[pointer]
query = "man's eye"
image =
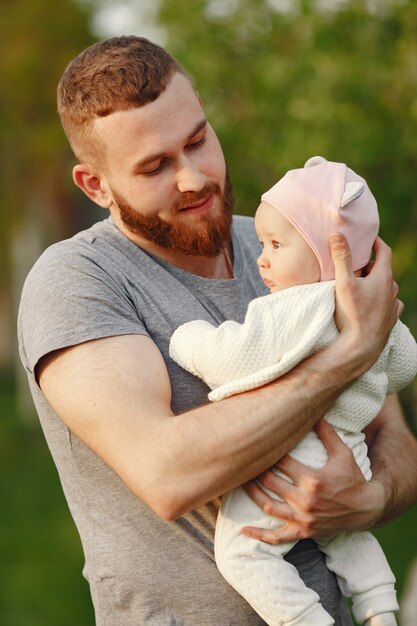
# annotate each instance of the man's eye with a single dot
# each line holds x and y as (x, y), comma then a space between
(197, 144)
(156, 170)
(276, 245)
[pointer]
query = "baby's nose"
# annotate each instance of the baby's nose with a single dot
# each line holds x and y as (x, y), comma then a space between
(262, 260)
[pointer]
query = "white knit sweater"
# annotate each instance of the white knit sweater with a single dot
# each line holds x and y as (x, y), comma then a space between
(278, 332)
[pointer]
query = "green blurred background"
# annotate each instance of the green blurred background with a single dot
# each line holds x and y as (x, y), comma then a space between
(281, 80)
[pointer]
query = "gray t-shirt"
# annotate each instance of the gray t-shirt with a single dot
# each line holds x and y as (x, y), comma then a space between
(141, 569)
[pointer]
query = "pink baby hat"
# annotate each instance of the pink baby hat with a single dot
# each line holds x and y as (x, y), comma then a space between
(326, 197)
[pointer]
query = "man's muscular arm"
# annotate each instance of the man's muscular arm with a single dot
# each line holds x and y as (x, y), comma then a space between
(393, 455)
(114, 394)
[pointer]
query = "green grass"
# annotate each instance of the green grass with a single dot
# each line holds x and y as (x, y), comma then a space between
(41, 557)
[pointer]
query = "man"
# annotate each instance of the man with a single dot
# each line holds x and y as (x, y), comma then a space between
(141, 455)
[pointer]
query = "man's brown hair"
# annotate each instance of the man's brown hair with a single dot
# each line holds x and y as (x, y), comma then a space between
(112, 75)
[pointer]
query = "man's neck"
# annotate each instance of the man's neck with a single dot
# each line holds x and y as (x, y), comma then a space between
(219, 267)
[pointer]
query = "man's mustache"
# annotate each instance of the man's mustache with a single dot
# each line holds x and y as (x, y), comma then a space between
(189, 198)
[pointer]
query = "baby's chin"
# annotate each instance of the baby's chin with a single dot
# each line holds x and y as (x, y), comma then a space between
(275, 288)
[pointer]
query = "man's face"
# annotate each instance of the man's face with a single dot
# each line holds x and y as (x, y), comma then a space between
(166, 173)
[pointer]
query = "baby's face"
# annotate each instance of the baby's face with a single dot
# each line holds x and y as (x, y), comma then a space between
(286, 259)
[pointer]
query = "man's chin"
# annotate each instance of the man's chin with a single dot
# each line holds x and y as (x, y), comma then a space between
(200, 233)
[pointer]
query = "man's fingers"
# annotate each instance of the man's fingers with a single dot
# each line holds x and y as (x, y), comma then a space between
(341, 256)
(368, 269)
(382, 249)
(271, 506)
(295, 470)
(280, 485)
(398, 303)
(329, 437)
(383, 265)
(285, 534)
(383, 257)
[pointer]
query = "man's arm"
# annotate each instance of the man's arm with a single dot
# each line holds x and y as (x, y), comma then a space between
(114, 394)
(393, 455)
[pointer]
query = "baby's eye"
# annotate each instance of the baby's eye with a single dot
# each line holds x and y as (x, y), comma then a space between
(276, 245)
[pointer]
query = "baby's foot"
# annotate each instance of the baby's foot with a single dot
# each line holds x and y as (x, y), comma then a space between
(385, 619)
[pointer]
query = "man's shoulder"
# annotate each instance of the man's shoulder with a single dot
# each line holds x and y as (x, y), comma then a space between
(80, 249)
(100, 231)
(75, 264)
(243, 223)
(244, 229)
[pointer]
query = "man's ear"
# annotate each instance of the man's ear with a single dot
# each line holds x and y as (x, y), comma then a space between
(92, 184)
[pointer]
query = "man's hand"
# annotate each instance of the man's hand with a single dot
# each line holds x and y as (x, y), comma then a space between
(318, 503)
(366, 308)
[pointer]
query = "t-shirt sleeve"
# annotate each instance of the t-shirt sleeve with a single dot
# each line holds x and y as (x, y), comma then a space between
(69, 298)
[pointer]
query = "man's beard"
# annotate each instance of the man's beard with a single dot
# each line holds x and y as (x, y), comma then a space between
(202, 236)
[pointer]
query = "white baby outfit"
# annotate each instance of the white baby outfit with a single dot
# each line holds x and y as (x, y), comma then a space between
(279, 331)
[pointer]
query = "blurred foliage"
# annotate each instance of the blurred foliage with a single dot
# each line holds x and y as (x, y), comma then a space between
(38, 39)
(40, 577)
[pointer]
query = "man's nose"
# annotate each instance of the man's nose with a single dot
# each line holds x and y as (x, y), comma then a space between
(189, 176)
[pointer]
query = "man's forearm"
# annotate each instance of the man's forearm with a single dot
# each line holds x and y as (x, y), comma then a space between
(393, 454)
(242, 436)
(119, 406)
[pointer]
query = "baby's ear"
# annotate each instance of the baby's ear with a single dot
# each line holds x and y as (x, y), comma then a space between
(352, 191)
(315, 160)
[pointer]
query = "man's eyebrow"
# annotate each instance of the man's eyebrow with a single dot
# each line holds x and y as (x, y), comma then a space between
(161, 155)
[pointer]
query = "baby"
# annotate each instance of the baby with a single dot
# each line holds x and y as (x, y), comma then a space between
(293, 223)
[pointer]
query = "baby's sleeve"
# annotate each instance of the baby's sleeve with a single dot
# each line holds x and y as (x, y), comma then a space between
(230, 351)
(402, 358)
(279, 331)
(187, 346)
